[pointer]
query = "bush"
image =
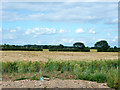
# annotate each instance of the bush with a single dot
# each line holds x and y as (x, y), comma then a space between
(100, 77)
(71, 49)
(112, 79)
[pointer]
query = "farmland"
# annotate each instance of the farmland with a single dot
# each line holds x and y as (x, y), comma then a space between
(43, 56)
(100, 67)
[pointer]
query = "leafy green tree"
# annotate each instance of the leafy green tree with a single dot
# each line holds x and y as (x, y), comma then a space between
(61, 46)
(102, 44)
(115, 47)
(79, 45)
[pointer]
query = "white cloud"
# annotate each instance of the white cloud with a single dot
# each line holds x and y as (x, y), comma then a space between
(114, 21)
(38, 31)
(80, 30)
(94, 38)
(0, 29)
(18, 28)
(8, 36)
(100, 39)
(74, 12)
(82, 41)
(65, 40)
(71, 40)
(92, 31)
(115, 39)
(35, 36)
(61, 31)
(64, 31)
(13, 30)
(39, 42)
(28, 31)
(108, 34)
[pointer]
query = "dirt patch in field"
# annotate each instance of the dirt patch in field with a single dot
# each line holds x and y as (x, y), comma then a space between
(55, 83)
(43, 56)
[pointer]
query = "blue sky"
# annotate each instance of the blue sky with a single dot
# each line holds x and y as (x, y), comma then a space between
(54, 23)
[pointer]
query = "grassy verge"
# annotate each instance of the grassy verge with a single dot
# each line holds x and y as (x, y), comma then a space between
(99, 71)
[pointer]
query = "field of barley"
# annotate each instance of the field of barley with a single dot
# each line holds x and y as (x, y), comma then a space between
(100, 67)
(43, 56)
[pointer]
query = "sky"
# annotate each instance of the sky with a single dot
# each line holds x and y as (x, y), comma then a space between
(54, 23)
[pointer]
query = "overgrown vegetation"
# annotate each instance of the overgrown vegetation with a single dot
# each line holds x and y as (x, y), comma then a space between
(101, 46)
(100, 71)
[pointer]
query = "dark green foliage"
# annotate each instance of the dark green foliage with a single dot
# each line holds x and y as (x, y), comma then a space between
(102, 46)
(41, 47)
(100, 71)
(21, 48)
(79, 45)
(71, 50)
(22, 78)
(112, 50)
(46, 76)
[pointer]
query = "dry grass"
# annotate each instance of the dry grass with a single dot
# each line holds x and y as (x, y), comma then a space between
(42, 56)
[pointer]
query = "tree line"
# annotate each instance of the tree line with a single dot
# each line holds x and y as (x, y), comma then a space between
(101, 46)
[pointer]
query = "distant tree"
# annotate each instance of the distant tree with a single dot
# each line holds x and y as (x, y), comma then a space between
(45, 47)
(115, 47)
(79, 45)
(102, 44)
(61, 46)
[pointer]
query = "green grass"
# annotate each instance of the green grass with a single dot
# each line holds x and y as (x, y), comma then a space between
(35, 78)
(99, 71)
